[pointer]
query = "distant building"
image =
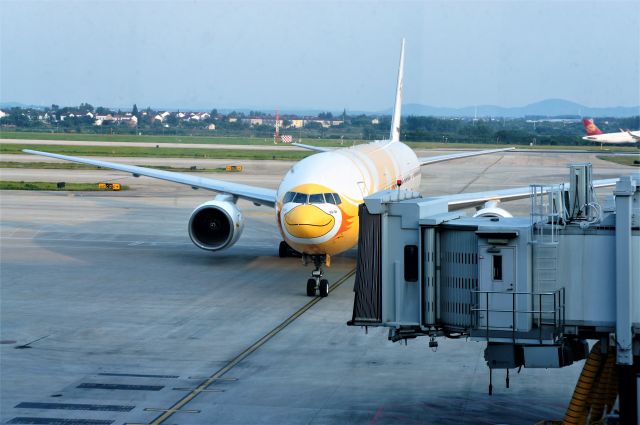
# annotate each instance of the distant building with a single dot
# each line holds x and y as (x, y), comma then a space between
(297, 123)
(211, 127)
(375, 121)
(133, 121)
(253, 121)
(3, 114)
(194, 116)
(323, 123)
(272, 122)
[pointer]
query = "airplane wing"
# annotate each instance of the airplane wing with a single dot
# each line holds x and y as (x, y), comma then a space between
(312, 148)
(441, 158)
(466, 200)
(254, 194)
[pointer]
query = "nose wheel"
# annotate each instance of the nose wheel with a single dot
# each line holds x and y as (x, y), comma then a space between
(316, 282)
(320, 285)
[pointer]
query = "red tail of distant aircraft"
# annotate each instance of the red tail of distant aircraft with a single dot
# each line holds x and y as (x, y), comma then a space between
(590, 127)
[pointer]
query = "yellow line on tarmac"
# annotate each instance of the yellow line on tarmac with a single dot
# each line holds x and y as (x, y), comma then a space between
(240, 357)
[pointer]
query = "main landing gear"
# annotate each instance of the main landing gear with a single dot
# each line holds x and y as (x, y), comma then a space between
(316, 282)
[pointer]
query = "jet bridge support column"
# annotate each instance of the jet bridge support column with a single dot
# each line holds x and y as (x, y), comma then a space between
(627, 371)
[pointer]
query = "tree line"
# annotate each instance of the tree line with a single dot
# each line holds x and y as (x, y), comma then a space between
(486, 130)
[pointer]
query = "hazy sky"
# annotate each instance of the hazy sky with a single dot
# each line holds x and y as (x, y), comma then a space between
(318, 54)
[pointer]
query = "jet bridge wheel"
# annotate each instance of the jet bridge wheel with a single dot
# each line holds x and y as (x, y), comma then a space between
(311, 288)
(324, 287)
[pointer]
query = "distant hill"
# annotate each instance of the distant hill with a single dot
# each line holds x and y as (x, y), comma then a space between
(9, 105)
(546, 108)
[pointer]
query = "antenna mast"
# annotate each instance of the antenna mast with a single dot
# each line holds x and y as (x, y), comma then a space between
(276, 135)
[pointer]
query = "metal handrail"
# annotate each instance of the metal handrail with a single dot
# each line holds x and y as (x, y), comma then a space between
(558, 311)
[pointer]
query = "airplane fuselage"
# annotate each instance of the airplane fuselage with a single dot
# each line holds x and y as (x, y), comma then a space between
(619, 137)
(317, 200)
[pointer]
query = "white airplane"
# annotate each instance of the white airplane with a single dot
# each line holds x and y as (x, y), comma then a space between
(316, 204)
(594, 134)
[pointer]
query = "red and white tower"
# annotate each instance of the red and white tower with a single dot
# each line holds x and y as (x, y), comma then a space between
(276, 135)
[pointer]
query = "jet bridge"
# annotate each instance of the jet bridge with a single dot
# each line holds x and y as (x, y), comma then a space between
(534, 289)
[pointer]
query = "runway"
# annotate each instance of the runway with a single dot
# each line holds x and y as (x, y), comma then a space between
(127, 318)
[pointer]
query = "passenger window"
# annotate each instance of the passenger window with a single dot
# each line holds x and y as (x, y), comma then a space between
(316, 198)
(337, 198)
(301, 198)
(497, 267)
(288, 197)
(329, 198)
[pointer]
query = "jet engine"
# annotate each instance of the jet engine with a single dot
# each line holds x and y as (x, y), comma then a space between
(216, 224)
(492, 209)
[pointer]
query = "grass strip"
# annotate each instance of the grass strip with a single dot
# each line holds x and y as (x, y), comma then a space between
(89, 137)
(632, 161)
(231, 140)
(123, 138)
(22, 185)
(126, 151)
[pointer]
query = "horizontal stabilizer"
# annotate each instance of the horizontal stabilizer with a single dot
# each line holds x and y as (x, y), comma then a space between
(442, 158)
(312, 148)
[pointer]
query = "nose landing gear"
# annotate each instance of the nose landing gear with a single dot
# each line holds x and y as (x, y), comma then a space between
(316, 282)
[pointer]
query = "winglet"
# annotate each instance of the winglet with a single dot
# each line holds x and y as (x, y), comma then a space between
(395, 121)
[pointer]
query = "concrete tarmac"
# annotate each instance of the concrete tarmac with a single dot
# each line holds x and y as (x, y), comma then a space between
(123, 317)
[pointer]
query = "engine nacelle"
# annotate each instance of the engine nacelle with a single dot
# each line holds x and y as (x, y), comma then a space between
(216, 224)
(492, 209)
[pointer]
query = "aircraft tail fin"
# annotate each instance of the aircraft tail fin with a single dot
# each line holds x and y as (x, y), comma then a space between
(590, 127)
(395, 120)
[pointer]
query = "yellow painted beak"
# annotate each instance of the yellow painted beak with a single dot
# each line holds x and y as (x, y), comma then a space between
(308, 221)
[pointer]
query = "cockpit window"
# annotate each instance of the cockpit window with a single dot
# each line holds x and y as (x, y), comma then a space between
(288, 197)
(332, 198)
(329, 198)
(316, 198)
(300, 198)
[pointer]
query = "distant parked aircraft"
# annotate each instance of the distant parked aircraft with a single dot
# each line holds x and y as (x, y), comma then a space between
(594, 134)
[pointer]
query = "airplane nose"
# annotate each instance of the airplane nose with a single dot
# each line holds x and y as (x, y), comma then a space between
(308, 221)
